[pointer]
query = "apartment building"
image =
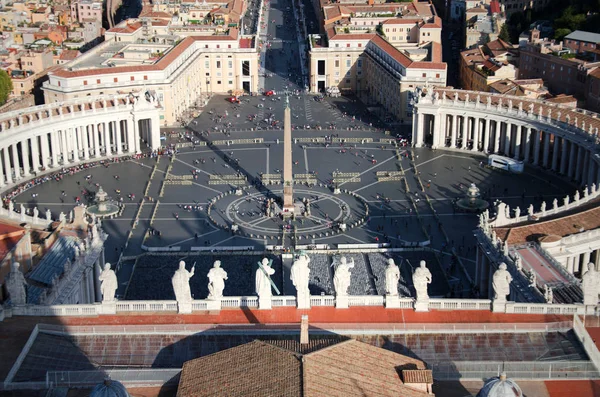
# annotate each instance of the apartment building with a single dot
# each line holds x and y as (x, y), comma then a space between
(486, 64)
(85, 10)
(483, 24)
(514, 6)
(131, 60)
(562, 73)
(581, 42)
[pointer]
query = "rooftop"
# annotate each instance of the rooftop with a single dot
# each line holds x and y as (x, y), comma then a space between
(581, 35)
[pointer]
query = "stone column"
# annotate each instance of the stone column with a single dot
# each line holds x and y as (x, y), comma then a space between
(107, 148)
(464, 127)
(118, 134)
(7, 166)
(154, 133)
(17, 166)
(586, 259)
(586, 166)
(45, 149)
(527, 152)
(130, 137)
(95, 131)
(65, 149)
(555, 153)
(476, 132)
(55, 149)
(536, 147)
(486, 137)
(85, 142)
(454, 129)
(579, 166)
(1, 172)
(572, 160)
(570, 264)
(564, 157)
(497, 135)
(592, 169)
(35, 154)
(419, 129)
(75, 141)
(136, 135)
(518, 139)
(508, 139)
(546, 162)
(25, 157)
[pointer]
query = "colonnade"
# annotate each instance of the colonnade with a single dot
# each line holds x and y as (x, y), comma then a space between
(517, 138)
(60, 147)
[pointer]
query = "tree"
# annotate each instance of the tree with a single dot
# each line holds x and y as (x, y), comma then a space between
(504, 33)
(6, 86)
(560, 34)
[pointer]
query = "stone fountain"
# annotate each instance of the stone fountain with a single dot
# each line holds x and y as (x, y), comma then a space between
(103, 206)
(472, 201)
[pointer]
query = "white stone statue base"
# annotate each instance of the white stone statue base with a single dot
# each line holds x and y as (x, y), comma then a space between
(341, 302)
(238, 192)
(422, 306)
(499, 306)
(213, 304)
(184, 307)
(303, 303)
(109, 307)
(337, 191)
(264, 303)
(392, 301)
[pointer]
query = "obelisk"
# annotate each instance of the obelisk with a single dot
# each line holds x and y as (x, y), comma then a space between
(288, 179)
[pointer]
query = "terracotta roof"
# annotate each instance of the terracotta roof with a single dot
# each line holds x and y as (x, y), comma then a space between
(253, 369)
(354, 36)
(128, 28)
(564, 226)
(401, 21)
(479, 10)
(69, 55)
(417, 376)
(562, 98)
(579, 388)
(353, 368)
(391, 51)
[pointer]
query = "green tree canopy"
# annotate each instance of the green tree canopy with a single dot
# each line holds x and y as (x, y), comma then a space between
(504, 34)
(560, 34)
(6, 86)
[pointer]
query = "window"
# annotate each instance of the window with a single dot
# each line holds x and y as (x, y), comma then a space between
(116, 80)
(347, 81)
(360, 44)
(230, 82)
(205, 45)
(359, 63)
(245, 68)
(218, 81)
(97, 81)
(337, 63)
(424, 74)
(218, 64)
(437, 75)
(348, 63)
(206, 64)
(145, 77)
(347, 44)
(230, 64)
(218, 46)
(84, 83)
(59, 83)
(132, 78)
(228, 45)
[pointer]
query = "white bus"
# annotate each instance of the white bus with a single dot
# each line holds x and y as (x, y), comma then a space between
(506, 163)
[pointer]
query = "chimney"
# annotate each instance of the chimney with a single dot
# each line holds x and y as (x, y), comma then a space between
(304, 330)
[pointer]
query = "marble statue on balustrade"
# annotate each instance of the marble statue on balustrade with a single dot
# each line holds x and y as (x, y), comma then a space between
(421, 279)
(263, 279)
(15, 285)
(501, 283)
(590, 285)
(109, 284)
(216, 281)
(392, 276)
(48, 215)
(299, 275)
(23, 212)
(181, 283)
(62, 217)
(341, 279)
(36, 214)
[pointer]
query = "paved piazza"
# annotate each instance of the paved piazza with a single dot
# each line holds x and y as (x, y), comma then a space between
(178, 210)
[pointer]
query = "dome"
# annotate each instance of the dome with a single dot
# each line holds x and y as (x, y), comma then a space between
(109, 388)
(500, 386)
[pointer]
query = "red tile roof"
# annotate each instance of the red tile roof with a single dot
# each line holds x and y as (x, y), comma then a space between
(128, 28)
(572, 388)
(68, 55)
(401, 21)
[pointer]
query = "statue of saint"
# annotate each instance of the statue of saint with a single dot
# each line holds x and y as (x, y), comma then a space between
(300, 273)
(421, 278)
(48, 216)
(109, 285)
(11, 207)
(216, 281)
(341, 279)
(36, 214)
(501, 283)
(181, 283)
(263, 279)
(15, 285)
(392, 276)
(590, 284)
